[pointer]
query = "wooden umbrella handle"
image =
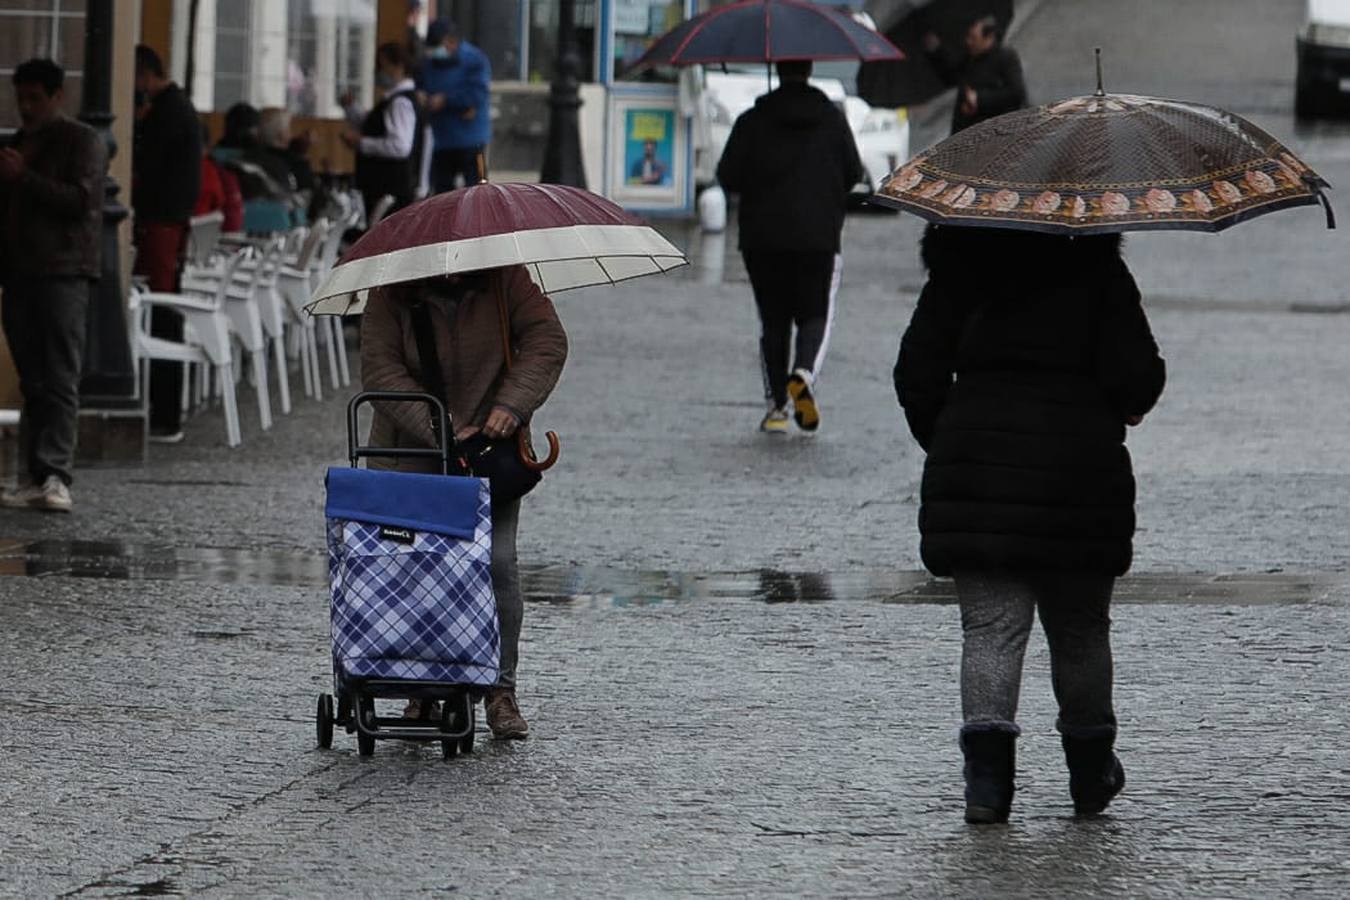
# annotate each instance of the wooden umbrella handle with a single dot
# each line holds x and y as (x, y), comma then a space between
(527, 458)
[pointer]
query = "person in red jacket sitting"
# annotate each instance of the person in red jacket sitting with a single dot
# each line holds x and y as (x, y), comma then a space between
(220, 191)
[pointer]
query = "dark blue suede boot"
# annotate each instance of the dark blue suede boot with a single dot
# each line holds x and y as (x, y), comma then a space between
(1095, 772)
(991, 763)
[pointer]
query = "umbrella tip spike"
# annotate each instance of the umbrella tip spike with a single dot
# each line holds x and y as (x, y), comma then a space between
(1101, 91)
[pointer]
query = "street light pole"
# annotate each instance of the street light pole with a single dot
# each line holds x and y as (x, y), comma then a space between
(562, 156)
(109, 376)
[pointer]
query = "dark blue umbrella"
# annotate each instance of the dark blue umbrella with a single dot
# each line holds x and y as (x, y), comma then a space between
(767, 31)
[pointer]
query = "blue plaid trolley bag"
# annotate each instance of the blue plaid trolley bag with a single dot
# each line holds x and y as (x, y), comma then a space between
(413, 614)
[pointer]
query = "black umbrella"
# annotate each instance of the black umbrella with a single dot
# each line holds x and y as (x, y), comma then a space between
(766, 31)
(913, 80)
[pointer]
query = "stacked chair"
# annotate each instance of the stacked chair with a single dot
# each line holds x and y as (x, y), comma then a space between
(242, 299)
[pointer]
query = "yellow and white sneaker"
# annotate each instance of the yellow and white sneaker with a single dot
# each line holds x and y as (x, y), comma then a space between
(804, 407)
(775, 421)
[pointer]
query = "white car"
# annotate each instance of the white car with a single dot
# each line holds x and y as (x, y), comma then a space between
(882, 135)
(1324, 59)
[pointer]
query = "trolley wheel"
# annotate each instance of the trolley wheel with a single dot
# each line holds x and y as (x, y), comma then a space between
(323, 721)
(365, 709)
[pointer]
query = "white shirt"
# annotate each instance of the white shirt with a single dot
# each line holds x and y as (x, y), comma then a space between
(400, 127)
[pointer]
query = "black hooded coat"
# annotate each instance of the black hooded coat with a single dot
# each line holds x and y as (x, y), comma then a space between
(792, 159)
(1024, 357)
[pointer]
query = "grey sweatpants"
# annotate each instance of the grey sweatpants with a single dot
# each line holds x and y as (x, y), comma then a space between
(44, 321)
(506, 587)
(997, 610)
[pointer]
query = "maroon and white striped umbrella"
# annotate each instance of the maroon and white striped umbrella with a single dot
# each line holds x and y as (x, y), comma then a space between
(565, 236)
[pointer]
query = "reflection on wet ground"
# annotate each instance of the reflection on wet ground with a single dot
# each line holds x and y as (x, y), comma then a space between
(607, 587)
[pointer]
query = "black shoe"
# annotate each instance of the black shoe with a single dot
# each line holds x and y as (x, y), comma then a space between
(1095, 772)
(991, 763)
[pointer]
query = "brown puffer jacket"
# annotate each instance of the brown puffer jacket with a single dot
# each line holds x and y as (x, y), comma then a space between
(469, 347)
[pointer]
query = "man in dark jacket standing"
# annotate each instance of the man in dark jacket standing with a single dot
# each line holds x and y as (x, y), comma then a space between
(988, 79)
(792, 160)
(166, 178)
(51, 201)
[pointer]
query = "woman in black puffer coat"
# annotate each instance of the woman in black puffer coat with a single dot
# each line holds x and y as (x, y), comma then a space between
(1027, 356)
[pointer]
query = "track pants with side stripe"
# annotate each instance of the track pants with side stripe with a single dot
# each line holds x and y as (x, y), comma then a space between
(792, 288)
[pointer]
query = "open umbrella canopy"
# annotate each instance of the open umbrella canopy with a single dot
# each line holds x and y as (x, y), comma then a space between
(567, 238)
(1105, 163)
(765, 31)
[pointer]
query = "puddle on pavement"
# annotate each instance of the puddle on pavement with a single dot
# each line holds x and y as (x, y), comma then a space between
(581, 586)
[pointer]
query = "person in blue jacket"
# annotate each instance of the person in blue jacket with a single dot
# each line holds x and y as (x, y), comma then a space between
(455, 81)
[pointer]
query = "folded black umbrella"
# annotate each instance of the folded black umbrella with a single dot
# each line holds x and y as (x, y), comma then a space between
(914, 80)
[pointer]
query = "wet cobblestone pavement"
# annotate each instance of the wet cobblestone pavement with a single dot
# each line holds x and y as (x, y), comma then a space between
(162, 732)
(738, 679)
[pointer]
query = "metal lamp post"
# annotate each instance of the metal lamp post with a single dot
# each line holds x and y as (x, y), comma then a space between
(109, 376)
(562, 156)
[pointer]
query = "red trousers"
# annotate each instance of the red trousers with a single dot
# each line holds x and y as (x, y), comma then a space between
(159, 253)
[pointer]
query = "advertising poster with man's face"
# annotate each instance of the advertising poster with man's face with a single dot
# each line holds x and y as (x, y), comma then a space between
(649, 147)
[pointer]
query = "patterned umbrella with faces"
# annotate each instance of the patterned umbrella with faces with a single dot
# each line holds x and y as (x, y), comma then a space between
(1106, 163)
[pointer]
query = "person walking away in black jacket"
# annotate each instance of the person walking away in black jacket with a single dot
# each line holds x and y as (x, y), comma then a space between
(166, 166)
(792, 160)
(988, 78)
(51, 221)
(1026, 357)
(390, 143)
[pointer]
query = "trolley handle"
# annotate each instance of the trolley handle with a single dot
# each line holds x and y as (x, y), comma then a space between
(441, 421)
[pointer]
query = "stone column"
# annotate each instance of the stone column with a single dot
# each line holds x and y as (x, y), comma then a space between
(112, 421)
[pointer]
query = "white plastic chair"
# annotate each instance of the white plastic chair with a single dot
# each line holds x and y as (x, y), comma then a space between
(331, 328)
(295, 281)
(243, 306)
(381, 209)
(206, 338)
(204, 234)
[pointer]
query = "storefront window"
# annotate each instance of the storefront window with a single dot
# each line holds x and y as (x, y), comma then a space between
(233, 54)
(40, 28)
(300, 54)
(330, 52)
(637, 24)
(543, 33)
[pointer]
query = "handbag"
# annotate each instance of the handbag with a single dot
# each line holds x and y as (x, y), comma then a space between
(497, 460)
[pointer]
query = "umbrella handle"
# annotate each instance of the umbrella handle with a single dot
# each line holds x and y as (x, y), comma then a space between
(527, 457)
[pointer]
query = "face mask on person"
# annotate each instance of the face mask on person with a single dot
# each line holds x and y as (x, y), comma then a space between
(384, 81)
(139, 99)
(440, 51)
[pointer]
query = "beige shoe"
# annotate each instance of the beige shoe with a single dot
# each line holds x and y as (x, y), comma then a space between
(503, 716)
(22, 495)
(55, 496)
(775, 421)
